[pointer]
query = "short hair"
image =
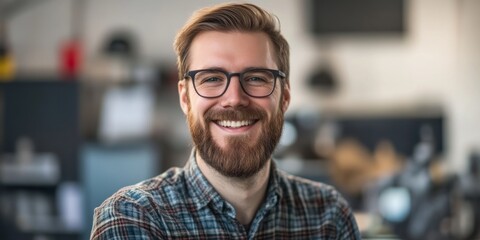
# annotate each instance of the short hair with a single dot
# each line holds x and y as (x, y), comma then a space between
(232, 17)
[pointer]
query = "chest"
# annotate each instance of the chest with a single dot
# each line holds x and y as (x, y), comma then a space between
(275, 223)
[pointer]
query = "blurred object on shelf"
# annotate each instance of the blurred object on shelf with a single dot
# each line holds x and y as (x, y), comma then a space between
(122, 44)
(70, 59)
(371, 227)
(7, 62)
(324, 143)
(26, 167)
(300, 130)
(127, 114)
(288, 138)
(424, 201)
(349, 166)
(71, 49)
(324, 80)
(353, 167)
(119, 61)
(70, 205)
(35, 213)
(394, 204)
(467, 220)
(114, 61)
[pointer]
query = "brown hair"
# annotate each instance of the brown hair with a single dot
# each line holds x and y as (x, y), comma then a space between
(232, 17)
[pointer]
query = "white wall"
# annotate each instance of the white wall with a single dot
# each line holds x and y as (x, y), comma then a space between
(465, 92)
(435, 63)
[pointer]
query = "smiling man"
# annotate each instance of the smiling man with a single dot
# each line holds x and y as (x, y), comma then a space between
(234, 90)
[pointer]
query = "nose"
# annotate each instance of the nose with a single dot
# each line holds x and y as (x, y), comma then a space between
(234, 96)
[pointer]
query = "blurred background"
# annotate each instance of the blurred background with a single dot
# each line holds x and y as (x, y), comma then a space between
(384, 107)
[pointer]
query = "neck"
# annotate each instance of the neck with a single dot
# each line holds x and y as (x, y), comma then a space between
(245, 194)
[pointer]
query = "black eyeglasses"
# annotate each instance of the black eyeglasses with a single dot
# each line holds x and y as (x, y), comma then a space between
(255, 82)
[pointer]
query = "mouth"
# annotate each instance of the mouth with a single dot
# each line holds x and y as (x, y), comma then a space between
(235, 124)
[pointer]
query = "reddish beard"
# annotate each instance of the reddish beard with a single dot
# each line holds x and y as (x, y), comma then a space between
(242, 157)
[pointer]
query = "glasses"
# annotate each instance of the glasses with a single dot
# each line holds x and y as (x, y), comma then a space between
(213, 83)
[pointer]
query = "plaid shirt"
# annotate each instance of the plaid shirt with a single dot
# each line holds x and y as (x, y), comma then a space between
(181, 204)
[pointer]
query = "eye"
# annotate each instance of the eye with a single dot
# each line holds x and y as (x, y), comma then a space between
(258, 78)
(210, 80)
(255, 79)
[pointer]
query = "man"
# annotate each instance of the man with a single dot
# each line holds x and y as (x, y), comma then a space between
(234, 90)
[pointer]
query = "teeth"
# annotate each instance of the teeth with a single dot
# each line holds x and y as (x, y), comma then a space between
(235, 124)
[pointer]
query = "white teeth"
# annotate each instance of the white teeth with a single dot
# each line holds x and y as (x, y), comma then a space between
(235, 124)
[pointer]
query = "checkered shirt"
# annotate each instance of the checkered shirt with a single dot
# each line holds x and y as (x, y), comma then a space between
(182, 204)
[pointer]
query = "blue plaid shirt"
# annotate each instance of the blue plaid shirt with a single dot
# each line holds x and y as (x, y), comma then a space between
(182, 204)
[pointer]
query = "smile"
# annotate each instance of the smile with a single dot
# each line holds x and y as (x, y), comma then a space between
(235, 124)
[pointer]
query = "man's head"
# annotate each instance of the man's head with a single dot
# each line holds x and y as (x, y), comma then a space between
(228, 18)
(234, 65)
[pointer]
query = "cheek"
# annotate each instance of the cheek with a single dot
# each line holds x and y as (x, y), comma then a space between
(197, 108)
(271, 108)
(275, 103)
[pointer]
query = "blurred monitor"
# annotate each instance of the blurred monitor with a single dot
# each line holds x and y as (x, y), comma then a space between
(355, 16)
(403, 132)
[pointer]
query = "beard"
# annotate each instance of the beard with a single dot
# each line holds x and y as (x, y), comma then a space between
(242, 157)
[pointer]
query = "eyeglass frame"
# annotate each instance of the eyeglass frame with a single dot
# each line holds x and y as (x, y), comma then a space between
(276, 74)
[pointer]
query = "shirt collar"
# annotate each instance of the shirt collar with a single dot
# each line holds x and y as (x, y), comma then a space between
(203, 192)
(274, 190)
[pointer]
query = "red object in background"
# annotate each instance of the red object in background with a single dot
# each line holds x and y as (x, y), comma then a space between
(70, 59)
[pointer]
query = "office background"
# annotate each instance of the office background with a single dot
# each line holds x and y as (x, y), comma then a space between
(88, 96)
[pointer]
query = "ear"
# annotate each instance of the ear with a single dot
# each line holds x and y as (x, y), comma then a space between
(285, 97)
(183, 95)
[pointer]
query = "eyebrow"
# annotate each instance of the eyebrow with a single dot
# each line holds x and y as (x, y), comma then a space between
(225, 70)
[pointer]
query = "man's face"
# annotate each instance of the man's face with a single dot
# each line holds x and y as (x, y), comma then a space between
(234, 133)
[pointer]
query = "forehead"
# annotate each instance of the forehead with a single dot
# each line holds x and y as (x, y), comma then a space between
(231, 50)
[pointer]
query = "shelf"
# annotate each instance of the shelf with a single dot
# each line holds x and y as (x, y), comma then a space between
(43, 170)
(46, 225)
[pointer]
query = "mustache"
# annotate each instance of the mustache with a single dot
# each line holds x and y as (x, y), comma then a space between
(235, 114)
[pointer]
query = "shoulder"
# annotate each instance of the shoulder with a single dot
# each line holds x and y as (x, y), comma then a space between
(136, 210)
(313, 197)
(320, 202)
(147, 196)
(307, 189)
